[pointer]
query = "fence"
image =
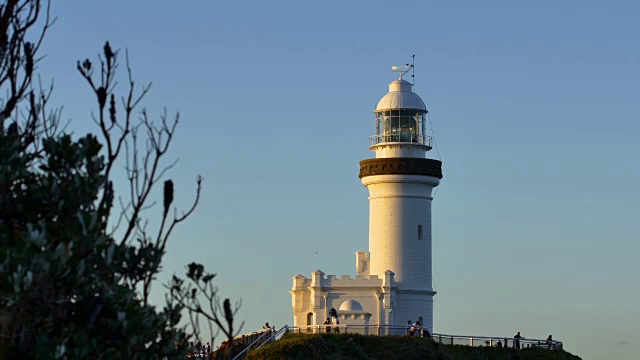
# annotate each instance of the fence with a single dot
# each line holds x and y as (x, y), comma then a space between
(251, 337)
(266, 336)
(391, 330)
(257, 339)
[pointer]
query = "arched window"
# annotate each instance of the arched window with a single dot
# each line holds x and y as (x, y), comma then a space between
(419, 232)
(310, 318)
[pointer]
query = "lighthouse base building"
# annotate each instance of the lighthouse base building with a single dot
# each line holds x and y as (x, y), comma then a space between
(363, 300)
(366, 300)
(393, 281)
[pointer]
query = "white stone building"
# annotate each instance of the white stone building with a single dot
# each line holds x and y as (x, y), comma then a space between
(393, 282)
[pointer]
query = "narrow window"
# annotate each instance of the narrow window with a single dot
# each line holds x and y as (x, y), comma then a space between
(419, 232)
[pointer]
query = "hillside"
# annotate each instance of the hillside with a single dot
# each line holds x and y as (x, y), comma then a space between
(354, 346)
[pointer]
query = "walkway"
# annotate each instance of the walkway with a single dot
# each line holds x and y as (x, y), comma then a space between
(257, 339)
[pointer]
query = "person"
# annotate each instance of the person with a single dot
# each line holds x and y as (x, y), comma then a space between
(208, 348)
(425, 333)
(516, 340)
(328, 322)
(225, 344)
(333, 312)
(499, 344)
(414, 327)
(549, 342)
(336, 324)
(266, 326)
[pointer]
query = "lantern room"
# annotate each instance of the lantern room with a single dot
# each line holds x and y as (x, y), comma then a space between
(401, 119)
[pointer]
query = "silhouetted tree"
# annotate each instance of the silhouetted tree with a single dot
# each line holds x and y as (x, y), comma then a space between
(75, 275)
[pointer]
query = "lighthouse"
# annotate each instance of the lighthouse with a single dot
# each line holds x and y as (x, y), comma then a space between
(393, 282)
(400, 180)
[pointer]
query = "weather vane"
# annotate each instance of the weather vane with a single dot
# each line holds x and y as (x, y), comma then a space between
(403, 69)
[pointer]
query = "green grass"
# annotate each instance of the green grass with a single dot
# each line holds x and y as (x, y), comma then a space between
(366, 347)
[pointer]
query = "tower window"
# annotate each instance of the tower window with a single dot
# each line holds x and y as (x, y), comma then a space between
(419, 232)
(401, 125)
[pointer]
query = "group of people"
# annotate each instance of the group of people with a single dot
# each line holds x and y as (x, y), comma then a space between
(243, 340)
(199, 349)
(550, 343)
(416, 327)
(332, 320)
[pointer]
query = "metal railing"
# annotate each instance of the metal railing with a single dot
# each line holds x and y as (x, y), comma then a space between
(496, 341)
(391, 330)
(268, 335)
(257, 339)
(400, 138)
(249, 338)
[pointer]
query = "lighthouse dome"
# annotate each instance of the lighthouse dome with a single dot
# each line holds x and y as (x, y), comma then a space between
(401, 96)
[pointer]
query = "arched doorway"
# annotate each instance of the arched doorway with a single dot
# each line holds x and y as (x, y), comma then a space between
(309, 322)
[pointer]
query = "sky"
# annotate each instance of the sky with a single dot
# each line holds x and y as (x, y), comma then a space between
(534, 108)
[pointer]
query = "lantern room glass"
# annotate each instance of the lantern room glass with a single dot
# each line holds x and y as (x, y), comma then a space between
(403, 125)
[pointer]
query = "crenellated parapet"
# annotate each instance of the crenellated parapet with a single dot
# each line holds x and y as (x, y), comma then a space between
(344, 281)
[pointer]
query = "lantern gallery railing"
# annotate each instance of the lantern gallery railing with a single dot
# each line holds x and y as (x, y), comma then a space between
(400, 138)
(390, 330)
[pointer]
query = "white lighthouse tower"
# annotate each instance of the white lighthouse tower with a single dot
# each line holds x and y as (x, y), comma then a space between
(393, 281)
(400, 181)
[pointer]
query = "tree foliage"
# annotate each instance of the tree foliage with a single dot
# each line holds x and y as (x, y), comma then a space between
(77, 261)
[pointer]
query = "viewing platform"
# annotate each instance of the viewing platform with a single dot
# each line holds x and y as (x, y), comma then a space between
(254, 340)
(447, 339)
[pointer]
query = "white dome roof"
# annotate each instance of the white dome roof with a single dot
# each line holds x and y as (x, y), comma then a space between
(350, 305)
(401, 96)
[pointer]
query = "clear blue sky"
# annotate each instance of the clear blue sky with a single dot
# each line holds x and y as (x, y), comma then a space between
(535, 111)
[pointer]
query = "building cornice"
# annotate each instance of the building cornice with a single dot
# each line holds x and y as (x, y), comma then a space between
(401, 166)
(416, 292)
